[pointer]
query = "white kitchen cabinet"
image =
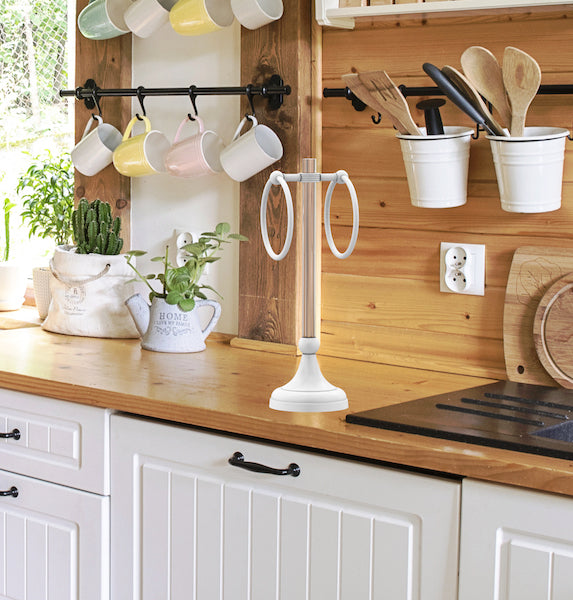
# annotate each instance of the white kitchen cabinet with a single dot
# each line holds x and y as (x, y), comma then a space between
(188, 525)
(515, 544)
(54, 541)
(54, 530)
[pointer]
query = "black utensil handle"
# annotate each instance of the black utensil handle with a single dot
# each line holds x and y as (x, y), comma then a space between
(238, 460)
(13, 491)
(455, 95)
(15, 433)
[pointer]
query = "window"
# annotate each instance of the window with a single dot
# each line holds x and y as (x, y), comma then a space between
(37, 41)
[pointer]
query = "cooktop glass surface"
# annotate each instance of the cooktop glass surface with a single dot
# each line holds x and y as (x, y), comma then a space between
(514, 416)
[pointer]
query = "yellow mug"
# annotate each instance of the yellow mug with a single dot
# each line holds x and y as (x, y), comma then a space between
(142, 154)
(195, 17)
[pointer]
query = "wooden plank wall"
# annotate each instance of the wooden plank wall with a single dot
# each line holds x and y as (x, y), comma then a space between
(108, 63)
(383, 304)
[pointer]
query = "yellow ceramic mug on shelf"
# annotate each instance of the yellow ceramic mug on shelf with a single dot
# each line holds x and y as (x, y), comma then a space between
(142, 154)
(195, 17)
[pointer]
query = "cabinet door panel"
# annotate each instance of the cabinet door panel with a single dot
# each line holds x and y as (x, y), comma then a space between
(53, 542)
(515, 544)
(187, 525)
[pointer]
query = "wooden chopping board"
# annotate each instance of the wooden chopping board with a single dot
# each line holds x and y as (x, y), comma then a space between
(553, 331)
(533, 271)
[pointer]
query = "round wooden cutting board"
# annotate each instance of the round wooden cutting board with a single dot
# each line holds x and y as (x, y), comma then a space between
(553, 331)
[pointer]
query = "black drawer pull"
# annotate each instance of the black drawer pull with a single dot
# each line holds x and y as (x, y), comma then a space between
(15, 433)
(13, 491)
(238, 460)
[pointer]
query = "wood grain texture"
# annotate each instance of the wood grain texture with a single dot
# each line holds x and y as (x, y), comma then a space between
(269, 302)
(533, 271)
(108, 63)
(227, 389)
(383, 304)
(552, 331)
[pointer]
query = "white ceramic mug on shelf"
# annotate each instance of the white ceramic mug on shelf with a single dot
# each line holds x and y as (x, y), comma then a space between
(253, 14)
(145, 17)
(252, 151)
(95, 150)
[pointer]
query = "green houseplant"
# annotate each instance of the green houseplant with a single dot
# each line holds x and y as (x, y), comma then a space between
(12, 275)
(181, 285)
(47, 192)
(171, 323)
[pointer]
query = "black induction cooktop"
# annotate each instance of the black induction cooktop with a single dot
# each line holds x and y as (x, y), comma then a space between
(515, 416)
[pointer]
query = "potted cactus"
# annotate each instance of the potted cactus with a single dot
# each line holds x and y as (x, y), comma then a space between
(91, 279)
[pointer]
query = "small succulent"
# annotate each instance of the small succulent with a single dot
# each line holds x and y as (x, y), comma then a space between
(180, 285)
(94, 230)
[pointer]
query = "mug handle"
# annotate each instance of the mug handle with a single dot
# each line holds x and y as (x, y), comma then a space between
(242, 123)
(180, 128)
(216, 314)
(89, 124)
(132, 123)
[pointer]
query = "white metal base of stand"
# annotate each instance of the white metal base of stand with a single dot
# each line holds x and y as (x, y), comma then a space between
(308, 390)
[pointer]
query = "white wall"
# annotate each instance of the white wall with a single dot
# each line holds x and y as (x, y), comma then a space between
(162, 203)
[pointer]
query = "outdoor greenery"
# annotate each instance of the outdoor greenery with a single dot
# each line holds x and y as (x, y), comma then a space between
(180, 285)
(47, 192)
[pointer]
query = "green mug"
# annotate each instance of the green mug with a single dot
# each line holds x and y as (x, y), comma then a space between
(142, 154)
(103, 19)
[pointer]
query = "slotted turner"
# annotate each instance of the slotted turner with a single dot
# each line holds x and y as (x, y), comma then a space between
(389, 100)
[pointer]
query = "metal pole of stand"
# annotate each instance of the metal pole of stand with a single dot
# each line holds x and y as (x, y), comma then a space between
(310, 236)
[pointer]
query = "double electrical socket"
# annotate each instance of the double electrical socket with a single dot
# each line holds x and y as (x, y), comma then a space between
(462, 268)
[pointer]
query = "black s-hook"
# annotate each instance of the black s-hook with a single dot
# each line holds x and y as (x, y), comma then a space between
(193, 97)
(249, 94)
(96, 101)
(140, 96)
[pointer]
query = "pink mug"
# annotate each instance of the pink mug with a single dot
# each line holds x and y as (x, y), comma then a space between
(196, 155)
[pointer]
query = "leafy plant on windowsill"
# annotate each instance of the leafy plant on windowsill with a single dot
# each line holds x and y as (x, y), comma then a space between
(47, 191)
(7, 207)
(180, 285)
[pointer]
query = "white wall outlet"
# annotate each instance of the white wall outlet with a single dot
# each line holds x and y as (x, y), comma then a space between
(181, 238)
(462, 268)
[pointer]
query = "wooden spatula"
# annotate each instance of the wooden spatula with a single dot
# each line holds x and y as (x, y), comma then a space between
(362, 91)
(484, 73)
(473, 96)
(375, 91)
(522, 78)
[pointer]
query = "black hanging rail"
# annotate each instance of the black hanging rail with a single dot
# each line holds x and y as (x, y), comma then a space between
(273, 90)
(430, 91)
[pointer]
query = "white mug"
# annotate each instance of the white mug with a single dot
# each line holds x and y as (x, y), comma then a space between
(253, 14)
(144, 17)
(95, 150)
(251, 152)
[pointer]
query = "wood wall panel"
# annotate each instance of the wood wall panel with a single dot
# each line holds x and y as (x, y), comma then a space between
(383, 304)
(108, 63)
(269, 292)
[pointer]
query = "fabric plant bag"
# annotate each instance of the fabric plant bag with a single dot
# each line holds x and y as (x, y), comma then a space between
(88, 295)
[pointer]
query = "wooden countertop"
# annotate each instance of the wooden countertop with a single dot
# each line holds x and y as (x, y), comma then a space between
(227, 389)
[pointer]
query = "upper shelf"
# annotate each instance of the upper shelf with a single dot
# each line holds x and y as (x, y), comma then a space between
(329, 12)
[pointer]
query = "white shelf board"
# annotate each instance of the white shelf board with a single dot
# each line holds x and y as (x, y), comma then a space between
(328, 12)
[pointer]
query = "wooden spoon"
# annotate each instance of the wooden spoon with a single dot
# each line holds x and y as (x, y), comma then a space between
(473, 95)
(484, 73)
(522, 78)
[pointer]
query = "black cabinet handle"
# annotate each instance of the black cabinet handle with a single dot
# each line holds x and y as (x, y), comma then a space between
(238, 460)
(13, 491)
(15, 433)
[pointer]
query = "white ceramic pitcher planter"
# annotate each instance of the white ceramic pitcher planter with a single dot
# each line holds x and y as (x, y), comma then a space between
(166, 328)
